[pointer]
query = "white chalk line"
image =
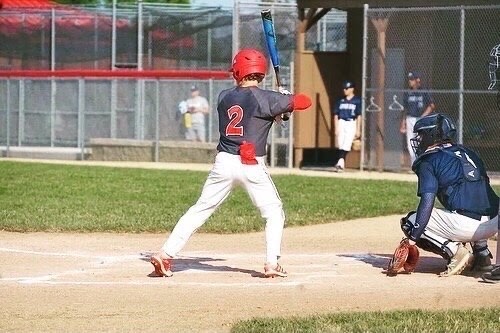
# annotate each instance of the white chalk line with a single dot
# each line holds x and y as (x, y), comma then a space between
(321, 271)
(106, 258)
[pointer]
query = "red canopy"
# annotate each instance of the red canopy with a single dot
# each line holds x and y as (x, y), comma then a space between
(22, 22)
(31, 16)
(4, 4)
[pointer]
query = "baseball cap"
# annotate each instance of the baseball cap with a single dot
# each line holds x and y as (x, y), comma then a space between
(413, 75)
(194, 88)
(348, 84)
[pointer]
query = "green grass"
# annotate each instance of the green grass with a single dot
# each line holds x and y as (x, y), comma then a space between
(47, 197)
(452, 321)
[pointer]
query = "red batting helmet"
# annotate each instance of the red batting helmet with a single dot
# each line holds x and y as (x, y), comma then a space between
(248, 61)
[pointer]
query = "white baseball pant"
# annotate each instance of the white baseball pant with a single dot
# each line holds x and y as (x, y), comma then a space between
(410, 123)
(346, 133)
(227, 172)
(444, 226)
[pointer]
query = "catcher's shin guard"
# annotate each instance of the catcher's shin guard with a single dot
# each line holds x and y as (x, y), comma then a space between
(438, 245)
(429, 241)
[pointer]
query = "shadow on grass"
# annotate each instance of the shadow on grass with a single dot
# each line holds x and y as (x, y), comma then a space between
(201, 264)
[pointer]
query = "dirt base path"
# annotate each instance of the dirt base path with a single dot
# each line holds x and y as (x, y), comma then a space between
(99, 282)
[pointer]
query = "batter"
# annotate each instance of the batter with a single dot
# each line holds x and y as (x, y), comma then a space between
(246, 115)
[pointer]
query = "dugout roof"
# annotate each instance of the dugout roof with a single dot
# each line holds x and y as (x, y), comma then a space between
(351, 4)
(316, 9)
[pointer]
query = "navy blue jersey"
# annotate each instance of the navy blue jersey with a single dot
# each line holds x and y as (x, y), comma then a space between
(348, 109)
(458, 178)
(247, 114)
(415, 102)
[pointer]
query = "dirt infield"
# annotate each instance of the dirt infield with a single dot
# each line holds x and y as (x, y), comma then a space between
(99, 282)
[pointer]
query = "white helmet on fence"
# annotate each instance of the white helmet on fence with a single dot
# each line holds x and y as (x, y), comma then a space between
(494, 66)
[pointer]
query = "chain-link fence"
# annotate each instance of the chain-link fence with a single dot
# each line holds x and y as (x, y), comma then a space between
(450, 48)
(69, 112)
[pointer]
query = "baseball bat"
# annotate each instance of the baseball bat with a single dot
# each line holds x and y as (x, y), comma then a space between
(272, 48)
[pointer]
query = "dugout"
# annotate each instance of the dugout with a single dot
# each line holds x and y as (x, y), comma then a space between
(319, 74)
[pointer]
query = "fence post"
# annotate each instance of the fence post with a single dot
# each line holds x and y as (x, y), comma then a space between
(113, 37)
(381, 27)
(290, 122)
(53, 92)
(8, 119)
(236, 24)
(211, 108)
(112, 116)
(363, 86)
(53, 40)
(81, 119)
(140, 33)
(20, 128)
(157, 120)
(52, 81)
(461, 83)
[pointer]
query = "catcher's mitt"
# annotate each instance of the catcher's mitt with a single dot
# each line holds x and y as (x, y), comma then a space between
(405, 258)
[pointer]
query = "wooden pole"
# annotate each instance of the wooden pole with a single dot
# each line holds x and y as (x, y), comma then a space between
(381, 27)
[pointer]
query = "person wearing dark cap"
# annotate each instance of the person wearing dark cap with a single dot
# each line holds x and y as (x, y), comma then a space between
(197, 107)
(347, 121)
(417, 104)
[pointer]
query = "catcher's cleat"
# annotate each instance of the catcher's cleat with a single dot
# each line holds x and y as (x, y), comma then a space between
(458, 262)
(493, 276)
(163, 266)
(481, 263)
(273, 271)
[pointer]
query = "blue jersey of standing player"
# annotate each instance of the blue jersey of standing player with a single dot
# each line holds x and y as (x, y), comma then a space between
(458, 178)
(348, 109)
(416, 101)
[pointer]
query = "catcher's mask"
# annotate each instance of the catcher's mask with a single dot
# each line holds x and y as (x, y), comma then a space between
(430, 130)
(494, 66)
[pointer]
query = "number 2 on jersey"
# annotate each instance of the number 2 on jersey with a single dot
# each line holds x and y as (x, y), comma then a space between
(235, 114)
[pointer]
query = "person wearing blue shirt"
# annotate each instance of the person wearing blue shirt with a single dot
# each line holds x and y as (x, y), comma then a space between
(347, 121)
(456, 176)
(416, 104)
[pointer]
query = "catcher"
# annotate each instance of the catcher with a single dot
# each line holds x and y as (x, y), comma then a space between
(457, 177)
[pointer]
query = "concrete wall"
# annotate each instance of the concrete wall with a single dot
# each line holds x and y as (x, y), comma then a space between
(145, 151)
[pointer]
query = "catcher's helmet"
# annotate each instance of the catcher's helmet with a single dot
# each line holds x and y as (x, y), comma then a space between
(432, 129)
(248, 61)
(494, 66)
